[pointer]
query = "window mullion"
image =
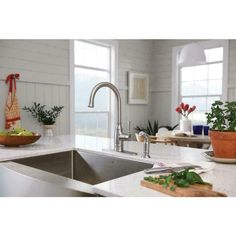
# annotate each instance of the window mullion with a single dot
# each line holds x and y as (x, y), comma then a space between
(91, 68)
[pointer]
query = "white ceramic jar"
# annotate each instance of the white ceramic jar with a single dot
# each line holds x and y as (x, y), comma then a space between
(48, 130)
(185, 125)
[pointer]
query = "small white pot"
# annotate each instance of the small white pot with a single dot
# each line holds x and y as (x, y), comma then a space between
(185, 125)
(48, 130)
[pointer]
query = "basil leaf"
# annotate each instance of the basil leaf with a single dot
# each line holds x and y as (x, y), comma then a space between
(172, 187)
(182, 183)
(194, 178)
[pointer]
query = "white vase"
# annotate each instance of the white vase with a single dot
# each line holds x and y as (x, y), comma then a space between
(48, 130)
(185, 125)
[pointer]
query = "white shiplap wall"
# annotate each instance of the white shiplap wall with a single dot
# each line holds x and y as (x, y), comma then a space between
(44, 69)
(134, 55)
(43, 66)
(162, 72)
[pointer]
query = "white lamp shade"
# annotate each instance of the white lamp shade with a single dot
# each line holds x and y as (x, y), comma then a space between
(192, 54)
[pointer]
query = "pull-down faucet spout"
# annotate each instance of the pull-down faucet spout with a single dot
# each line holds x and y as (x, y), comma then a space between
(119, 136)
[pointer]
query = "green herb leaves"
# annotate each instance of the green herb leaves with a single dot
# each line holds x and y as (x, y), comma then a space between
(222, 116)
(47, 117)
(182, 179)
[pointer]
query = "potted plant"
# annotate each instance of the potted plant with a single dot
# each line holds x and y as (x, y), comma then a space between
(185, 110)
(44, 116)
(151, 130)
(222, 122)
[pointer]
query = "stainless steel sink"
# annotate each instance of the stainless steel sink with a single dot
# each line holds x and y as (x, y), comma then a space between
(85, 167)
(22, 181)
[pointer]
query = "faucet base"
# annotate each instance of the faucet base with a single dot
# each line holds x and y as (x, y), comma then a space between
(145, 156)
(125, 152)
(129, 152)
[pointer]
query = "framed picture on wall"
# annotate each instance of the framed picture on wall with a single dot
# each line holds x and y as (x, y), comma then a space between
(138, 88)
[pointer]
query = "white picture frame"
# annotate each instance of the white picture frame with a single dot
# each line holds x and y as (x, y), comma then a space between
(138, 88)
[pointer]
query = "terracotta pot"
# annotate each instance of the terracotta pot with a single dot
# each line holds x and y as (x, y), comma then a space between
(223, 143)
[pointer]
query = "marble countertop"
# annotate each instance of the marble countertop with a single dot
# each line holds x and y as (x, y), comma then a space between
(223, 176)
(48, 145)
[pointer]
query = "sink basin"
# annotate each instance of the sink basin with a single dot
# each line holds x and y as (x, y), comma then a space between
(16, 181)
(85, 167)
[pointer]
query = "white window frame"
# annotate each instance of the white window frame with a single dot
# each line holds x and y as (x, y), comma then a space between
(175, 98)
(113, 44)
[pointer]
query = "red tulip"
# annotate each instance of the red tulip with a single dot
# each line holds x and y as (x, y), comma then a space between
(181, 105)
(186, 107)
(193, 108)
(190, 110)
(178, 109)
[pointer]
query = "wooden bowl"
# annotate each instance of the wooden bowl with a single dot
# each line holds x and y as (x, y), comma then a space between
(14, 141)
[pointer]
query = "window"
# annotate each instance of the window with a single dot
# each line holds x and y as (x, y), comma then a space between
(201, 85)
(92, 64)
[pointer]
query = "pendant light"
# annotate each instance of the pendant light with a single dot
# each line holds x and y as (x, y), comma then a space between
(192, 54)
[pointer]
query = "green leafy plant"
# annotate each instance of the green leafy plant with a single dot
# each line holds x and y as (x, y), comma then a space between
(222, 116)
(46, 117)
(181, 179)
(170, 128)
(153, 129)
(150, 129)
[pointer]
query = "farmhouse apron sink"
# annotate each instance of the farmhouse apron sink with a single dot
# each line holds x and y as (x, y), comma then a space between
(83, 167)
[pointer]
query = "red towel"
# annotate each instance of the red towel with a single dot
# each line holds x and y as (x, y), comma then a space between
(12, 109)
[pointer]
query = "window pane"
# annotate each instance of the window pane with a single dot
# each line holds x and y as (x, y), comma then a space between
(214, 87)
(92, 124)
(194, 88)
(199, 117)
(187, 73)
(85, 80)
(216, 71)
(199, 102)
(187, 88)
(200, 72)
(87, 54)
(214, 54)
(200, 87)
(210, 100)
(188, 100)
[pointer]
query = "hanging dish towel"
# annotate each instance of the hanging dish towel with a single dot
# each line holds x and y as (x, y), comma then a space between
(12, 109)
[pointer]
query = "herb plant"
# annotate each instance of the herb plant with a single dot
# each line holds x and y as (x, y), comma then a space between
(182, 179)
(46, 117)
(150, 129)
(153, 129)
(170, 128)
(222, 116)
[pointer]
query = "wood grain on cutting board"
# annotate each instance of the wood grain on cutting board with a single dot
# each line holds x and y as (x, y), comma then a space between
(196, 190)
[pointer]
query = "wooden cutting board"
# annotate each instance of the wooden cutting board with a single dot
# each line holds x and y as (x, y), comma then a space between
(196, 190)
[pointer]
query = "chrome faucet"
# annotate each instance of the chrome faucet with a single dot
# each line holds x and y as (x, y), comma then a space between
(119, 136)
(146, 145)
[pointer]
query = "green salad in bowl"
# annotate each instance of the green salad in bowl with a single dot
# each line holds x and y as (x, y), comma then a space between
(17, 137)
(16, 132)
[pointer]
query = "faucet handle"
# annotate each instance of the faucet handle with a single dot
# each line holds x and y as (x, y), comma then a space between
(144, 134)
